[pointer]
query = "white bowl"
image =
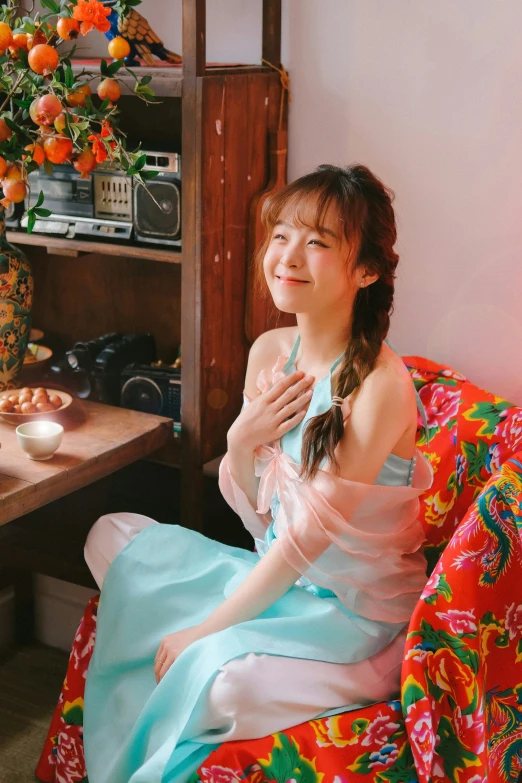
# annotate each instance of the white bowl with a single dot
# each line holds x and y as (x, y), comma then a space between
(39, 439)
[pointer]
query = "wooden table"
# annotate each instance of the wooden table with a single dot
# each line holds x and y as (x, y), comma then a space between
(98, 440)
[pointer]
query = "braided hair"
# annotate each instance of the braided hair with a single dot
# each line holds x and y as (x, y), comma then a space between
(364, 205)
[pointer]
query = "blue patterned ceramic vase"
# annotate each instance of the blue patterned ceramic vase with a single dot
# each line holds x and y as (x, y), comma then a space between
(16, 299)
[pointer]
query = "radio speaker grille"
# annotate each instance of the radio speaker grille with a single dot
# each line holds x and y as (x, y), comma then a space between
(159, 217)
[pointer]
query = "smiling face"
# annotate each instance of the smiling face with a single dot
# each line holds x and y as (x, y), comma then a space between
(319, 257)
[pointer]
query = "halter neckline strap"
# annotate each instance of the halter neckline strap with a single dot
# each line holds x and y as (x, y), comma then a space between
(293, 354)
(420, 406)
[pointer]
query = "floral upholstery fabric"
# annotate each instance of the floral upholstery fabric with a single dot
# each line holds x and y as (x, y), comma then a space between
(459, 718)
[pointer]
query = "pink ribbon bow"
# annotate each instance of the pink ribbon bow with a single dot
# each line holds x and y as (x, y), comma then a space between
(277, 474)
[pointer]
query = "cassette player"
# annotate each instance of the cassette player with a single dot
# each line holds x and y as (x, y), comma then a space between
(109, 205)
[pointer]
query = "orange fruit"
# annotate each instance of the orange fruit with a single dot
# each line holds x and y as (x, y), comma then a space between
(119, 48)
(6, 36)
(43, 59)
(78, 97)
(33, 109)
(37, 152)
(14, 190)
(67, 28)
(13, 173)
(5, 132)
(109, 89)
(58, 149)
(19, 42)
(59, 122)
(37, 38)
(85, 161)
(3, 167)
(47, 109)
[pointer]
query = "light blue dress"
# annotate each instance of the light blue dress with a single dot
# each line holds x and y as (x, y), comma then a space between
(169, 578)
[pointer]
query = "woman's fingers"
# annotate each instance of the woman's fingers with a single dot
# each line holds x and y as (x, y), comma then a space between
(161, 655)
(295, 391)
(295, 405)
(165, 667)
(282, 385)
(290, 423)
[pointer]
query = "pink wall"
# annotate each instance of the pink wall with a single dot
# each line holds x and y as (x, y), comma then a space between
(428, 96)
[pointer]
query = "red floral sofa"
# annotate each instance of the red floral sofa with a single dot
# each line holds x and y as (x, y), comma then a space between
(459, 718)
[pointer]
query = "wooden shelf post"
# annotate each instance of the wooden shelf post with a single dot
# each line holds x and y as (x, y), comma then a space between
(194, 59)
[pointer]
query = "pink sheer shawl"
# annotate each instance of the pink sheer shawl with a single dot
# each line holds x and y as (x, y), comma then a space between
(361, 541)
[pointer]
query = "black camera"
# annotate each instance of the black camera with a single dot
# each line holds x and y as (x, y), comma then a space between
(152, 389)
(92, 368)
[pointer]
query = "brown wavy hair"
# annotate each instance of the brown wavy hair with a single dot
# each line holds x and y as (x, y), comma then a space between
(364, 205)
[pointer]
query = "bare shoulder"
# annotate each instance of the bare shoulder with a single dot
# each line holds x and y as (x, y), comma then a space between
(382, 421)
(389, 383)
(264, 352)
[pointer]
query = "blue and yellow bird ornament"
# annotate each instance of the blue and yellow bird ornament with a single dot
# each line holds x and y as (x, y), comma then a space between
(140, 36)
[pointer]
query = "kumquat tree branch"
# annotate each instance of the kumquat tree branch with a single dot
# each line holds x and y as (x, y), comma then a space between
(48, 113)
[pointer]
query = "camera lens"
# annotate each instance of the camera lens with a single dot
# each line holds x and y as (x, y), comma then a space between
(78, 357)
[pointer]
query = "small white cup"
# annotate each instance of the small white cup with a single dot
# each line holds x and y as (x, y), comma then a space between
(39, 439)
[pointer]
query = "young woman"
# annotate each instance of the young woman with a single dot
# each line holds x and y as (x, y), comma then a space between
(198, 642)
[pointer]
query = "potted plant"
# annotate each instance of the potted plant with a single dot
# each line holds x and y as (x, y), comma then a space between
(48, 115)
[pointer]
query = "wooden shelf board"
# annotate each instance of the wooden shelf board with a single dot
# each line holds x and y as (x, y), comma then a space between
(74, 246)
(168, 82)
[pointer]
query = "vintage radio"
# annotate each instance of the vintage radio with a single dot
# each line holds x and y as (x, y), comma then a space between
(152, 389)
(99, 206)
(109, 205)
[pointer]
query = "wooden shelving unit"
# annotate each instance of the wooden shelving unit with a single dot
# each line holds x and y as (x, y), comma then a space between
(75, 247)
(219, 118)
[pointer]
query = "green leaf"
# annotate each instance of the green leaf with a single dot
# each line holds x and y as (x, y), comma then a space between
(69, 77)
(454, 755)
(28, 25)
(444, 588)
(362, 764)
(14, 127)
(476, 457)
(31, 221)
(73, 716)
(145, 91)
(139, 164)
(488, 413)
(39, 200)
(104, 68)
(42, 212)
(52, 5)
(146, 79)
(115, 67)
(149, 174)
(434, 690)
(412, 692)
(360, 725)
(24, 103)
(48, 167)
